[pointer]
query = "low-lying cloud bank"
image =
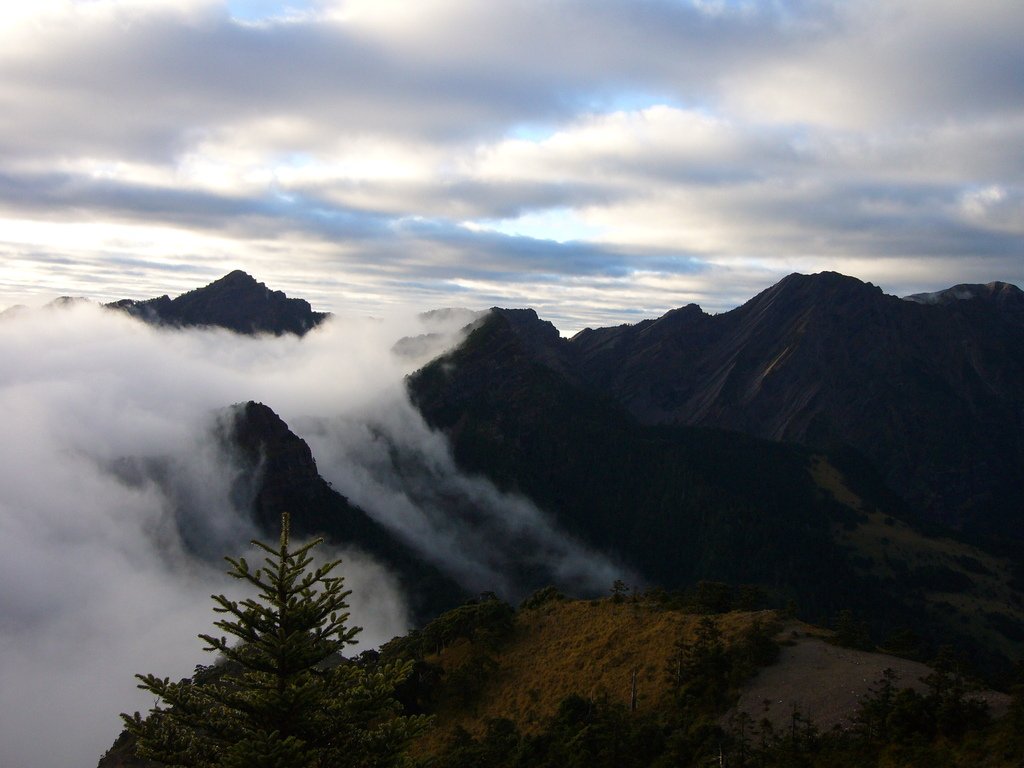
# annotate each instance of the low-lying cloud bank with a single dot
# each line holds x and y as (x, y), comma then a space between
(108, 457)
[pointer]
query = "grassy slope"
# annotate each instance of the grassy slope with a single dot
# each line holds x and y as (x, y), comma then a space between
(586, 647)
(591, 648)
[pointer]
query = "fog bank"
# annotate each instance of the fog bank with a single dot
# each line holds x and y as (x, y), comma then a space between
(108, 455)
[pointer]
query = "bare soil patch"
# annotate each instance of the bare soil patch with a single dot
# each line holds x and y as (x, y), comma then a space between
(826, 682)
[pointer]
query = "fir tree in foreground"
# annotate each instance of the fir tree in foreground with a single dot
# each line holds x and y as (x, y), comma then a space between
(285, 697)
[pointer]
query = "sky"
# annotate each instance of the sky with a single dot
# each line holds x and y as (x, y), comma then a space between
(112, 477)
(598, 160)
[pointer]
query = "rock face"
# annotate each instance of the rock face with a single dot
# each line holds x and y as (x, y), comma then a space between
(930, 393)
(236, 302)
(281, 476)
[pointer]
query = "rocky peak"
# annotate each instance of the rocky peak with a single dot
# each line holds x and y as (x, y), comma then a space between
(528, 326)
(830, 291)
(236, 301)
(537, 338)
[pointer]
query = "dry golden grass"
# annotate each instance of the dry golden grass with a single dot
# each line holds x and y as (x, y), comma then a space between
(590, 648)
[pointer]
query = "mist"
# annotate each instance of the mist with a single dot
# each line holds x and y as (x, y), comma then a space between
(404, 475)
(109, 456)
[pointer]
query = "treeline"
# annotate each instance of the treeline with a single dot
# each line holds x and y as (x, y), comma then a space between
(895, 725)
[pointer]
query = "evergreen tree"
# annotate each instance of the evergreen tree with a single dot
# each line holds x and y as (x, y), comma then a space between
(698, 670)
(873, 715)
(284, 697)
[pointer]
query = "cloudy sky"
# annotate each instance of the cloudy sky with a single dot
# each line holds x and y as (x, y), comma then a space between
(599, 160)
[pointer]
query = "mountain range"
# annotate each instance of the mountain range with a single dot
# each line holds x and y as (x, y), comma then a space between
(825, 450)
(833, 445)
(928, 391)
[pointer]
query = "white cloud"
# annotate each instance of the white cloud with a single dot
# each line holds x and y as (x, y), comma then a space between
(108, 465)
(299, 140)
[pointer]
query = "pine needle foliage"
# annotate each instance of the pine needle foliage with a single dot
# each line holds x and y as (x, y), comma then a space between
(284, 696)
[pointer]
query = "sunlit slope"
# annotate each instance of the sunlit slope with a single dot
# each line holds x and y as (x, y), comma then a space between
(586, 647)
(596, 649)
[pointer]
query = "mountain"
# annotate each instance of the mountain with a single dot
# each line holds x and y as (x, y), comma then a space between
(572, 682)
(928, 393)
(679, 504)
(236, 302)
(279, 474)
(809, 447)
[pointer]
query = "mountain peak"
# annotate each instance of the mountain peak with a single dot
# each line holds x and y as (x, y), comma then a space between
(824, 285)
(528, 326)
(824, 293)
(235, 279)
(236, 301)
(996, 290)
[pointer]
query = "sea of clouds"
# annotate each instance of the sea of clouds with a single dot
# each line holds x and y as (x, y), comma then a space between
(96, 580)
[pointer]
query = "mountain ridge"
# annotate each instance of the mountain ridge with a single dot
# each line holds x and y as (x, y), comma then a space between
(236, 301)
(680, 503)
(286, 479)
(930, 393)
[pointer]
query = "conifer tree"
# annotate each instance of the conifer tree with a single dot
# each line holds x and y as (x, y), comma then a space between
(284, 696)
(698, 670)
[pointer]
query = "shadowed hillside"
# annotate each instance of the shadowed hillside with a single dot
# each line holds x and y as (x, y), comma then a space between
(929, 393)
(681, 504)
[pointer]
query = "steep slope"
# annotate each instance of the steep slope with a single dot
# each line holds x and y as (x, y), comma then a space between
(236, 302)
(680, 504)
(280, 475)
(675, 504)
(930, 393)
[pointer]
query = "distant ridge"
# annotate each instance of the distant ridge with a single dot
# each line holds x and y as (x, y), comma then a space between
(927, 390)
(966, 291)
(236, 301)
(1005, 298)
